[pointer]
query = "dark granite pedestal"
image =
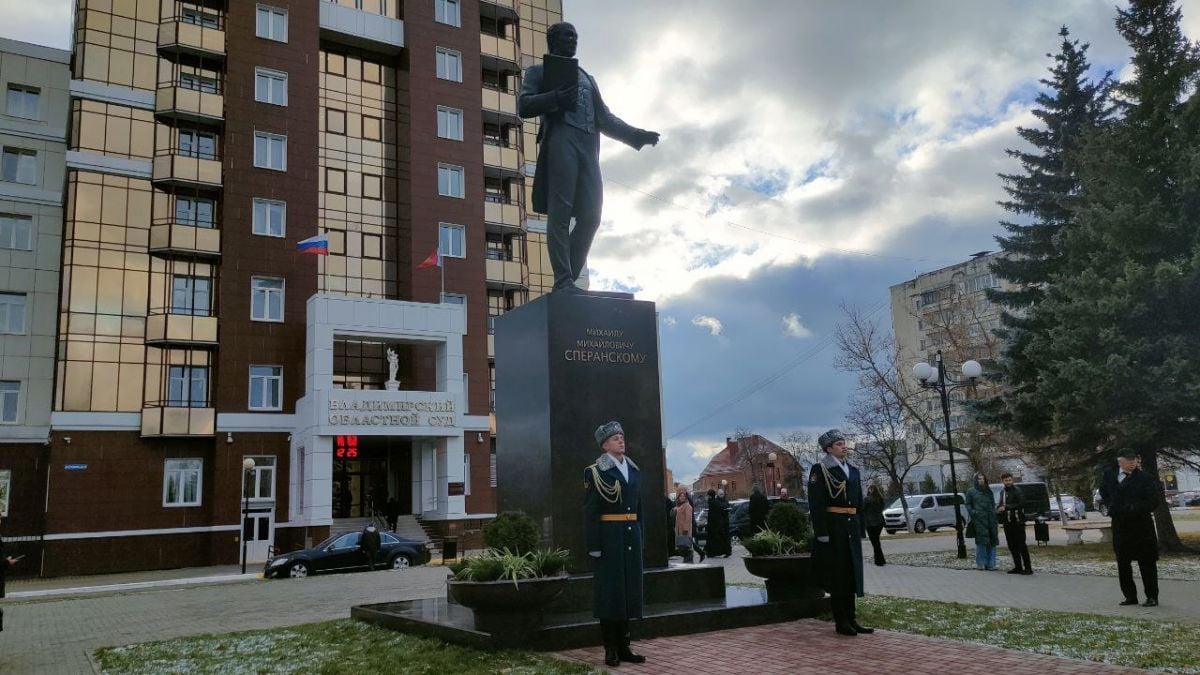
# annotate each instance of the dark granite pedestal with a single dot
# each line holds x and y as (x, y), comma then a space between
(680, 600)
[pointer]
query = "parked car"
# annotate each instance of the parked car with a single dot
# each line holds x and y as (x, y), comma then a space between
(1074, 507)
(739, 516)
(340, 553)
(1187, 499)
(1034, 496)
(928, 512)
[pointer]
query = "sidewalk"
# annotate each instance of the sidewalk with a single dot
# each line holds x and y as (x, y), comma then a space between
(35, 588)
(811, 647)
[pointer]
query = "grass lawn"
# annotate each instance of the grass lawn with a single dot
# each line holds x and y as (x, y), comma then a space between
(344, 647)
(1165, 646)
(1089, 558)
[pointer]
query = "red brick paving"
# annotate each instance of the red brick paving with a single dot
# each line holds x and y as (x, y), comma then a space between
(793, 648)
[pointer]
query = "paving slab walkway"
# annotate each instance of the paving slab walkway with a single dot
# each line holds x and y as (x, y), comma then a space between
(811, 647)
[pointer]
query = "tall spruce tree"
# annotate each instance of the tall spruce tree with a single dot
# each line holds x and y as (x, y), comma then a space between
(1070, 108)
(1118, 327)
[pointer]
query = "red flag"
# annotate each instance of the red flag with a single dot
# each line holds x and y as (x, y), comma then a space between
(434, 260)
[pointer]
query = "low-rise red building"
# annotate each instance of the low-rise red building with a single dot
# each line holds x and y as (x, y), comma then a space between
(749, 460)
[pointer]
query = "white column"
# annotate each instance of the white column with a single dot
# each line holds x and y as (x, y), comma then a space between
(450, 470)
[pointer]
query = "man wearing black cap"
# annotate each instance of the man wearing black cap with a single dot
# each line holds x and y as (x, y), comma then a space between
(835, 499)
(614, 538)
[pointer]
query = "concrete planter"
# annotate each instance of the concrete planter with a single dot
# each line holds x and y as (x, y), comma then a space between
(789, 577)
(502, 608)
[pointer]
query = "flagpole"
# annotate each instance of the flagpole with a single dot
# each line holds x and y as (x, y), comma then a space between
(442, 266)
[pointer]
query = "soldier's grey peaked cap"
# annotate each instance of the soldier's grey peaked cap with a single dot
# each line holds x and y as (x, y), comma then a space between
(830, 437)
(607, 431)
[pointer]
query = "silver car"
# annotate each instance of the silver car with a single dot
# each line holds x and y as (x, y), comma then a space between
(1074, 507)
(928, 512)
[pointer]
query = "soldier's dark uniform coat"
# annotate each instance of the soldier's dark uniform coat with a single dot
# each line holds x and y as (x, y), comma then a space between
(618, 572)
(840, 559)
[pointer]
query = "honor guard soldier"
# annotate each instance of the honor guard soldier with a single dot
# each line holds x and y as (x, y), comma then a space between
(614, 538)
(836, 500)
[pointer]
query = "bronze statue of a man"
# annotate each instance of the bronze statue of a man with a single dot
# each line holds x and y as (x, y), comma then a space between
(567, 183)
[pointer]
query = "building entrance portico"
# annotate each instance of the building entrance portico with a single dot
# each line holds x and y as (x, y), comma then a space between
(356, 444)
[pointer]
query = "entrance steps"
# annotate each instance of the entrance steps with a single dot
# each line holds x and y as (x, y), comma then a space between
(407, 527)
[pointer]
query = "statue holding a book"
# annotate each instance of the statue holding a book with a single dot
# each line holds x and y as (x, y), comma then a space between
(568, 183)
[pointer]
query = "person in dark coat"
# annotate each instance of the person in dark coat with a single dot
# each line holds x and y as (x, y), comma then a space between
(613, 522)
(873, 520)
(835, 499)
(369, 543)
(1132, 495)
(759, 506)
(391, 511)
(5, 562)
(567, 181)
(717, 541)
(981, 505)
(1011, 512)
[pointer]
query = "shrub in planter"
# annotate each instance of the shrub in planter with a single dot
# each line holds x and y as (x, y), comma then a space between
(787, 519)
(504, 565)
(769, 542)
(512, 531)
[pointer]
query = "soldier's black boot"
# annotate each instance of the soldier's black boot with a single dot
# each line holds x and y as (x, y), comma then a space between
(611, 658)
(624, 652)
(858, 628)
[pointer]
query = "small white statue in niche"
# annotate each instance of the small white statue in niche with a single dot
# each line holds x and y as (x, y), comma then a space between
(393, 360)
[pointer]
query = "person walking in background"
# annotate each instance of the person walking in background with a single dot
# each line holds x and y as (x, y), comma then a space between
(1012, 514)
(981, 506)
(685, 526)
(391, 510)
(5, 562)
(873, 520)
(759, 506)
(717, 543)
(1132, 495)
(369, 543)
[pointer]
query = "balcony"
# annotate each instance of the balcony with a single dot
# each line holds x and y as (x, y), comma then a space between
(357, 28)
(181, 103)
(501, 216)
(179, 36)
(163, 420)
(499, 107)
(178, 238)
(182, 170)
(500, 161)
(507, 274)
(501, 10)
(499, 53)
(181, 329)
(491, 346)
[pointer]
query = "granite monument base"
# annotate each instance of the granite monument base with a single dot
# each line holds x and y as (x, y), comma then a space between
(681, 600)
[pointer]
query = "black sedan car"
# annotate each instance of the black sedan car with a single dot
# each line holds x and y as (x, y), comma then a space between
(340, 553)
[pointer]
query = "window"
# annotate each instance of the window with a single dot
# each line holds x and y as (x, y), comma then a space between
(454, 299)
(198, 18)
(191, 296)
(266, 301)
(16, 231)
(335, 181)
(450, 181)
(18, 165)
(270, 217)
(194, 211)
(197, 144)
(271, 23)
(372, 186)
(270, 86)
(346, 540)
(181, 482)
(259, 482)
(450, 123)
(452, 240)
(12, 313)
(23, 101)
(467, 474)
(10, 398)
(449, 64)
(372, 128)
(335, 121)
(447, 12)
(270, 151)
(198, 83)
(5, 491)
(266, 388)
(187, 387)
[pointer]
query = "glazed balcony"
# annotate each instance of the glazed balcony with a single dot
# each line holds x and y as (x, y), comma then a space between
(181, 169)
(501, 215)
(163, 328)
(167, 420)
(175, 102)
(179, 238)
(499, 106)
(507, 274)
(499, 53)
(501, 161)
(501, 10)
(192, 35)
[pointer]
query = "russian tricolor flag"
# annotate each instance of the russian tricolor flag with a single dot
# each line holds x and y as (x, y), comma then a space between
(318, 245)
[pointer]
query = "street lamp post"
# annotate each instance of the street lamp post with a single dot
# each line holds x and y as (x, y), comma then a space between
(934, 377)
(771, 457)
(247, 467)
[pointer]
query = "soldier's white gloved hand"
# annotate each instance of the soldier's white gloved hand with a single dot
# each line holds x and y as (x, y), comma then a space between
(823, 540)
(594, 554)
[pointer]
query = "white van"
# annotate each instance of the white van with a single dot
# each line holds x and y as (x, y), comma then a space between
(928, 512)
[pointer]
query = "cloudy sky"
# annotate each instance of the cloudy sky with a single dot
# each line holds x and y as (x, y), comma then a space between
(813, 154)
